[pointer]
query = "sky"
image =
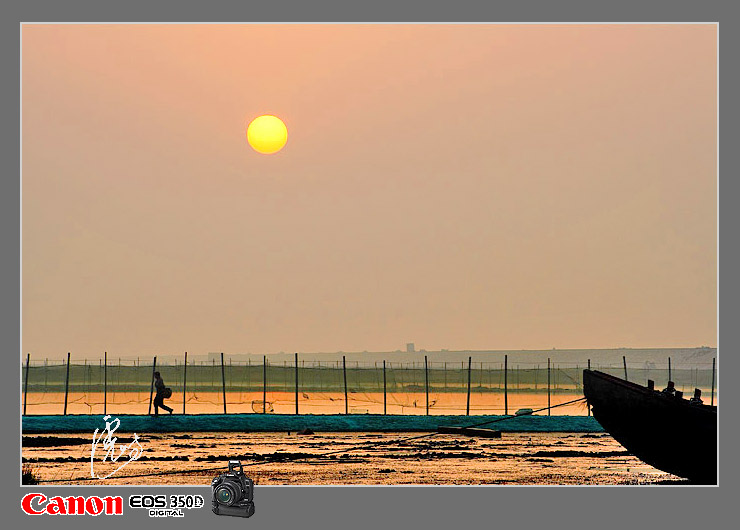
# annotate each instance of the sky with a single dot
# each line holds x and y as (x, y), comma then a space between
(455, 186)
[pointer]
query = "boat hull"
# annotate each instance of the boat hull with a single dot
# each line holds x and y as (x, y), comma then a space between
(666, 432)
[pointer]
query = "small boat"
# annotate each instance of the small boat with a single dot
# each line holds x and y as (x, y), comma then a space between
(666, 431)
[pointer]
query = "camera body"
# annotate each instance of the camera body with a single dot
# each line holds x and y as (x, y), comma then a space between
(233, 492)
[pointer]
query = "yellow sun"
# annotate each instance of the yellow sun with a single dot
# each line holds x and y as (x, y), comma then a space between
(267, 134)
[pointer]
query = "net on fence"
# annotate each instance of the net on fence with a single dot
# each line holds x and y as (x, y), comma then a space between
(327, 387)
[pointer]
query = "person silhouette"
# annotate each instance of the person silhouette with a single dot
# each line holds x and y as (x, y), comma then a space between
(161, 394)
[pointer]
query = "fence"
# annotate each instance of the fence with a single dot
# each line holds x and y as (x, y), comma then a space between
(336, 387)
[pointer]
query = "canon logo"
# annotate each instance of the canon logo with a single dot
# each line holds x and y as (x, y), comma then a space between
(38, 504)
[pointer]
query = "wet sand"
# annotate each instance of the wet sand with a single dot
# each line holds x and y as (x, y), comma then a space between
(375, 459)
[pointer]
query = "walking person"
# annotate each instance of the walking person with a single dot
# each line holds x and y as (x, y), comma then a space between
(162, 393)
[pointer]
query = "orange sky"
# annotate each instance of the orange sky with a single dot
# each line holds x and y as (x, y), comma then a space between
(462, 186)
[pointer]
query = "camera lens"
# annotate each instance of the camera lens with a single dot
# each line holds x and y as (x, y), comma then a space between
(227, 494)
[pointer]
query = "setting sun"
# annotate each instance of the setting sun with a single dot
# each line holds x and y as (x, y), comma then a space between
(267, 134)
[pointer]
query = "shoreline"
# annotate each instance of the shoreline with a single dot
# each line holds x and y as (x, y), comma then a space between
(249, 423)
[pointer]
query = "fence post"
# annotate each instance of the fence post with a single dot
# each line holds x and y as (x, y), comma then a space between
(151, 388)
(714, 366)
(426, 382)
(548, 386)
(264, 384)
(506, 385)
(223, 380)
(25, 387)
(105, 384)
(66, 386)
(588, 405)
(344, 371)
(385, 402)
(624, 362)
(184, 382)
(296, 383)
(467, 407)
(669, 368)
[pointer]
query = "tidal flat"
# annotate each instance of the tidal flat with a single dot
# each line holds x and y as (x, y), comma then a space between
(348, 458)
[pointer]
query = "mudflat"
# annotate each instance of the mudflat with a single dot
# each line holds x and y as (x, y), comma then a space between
(352, 458)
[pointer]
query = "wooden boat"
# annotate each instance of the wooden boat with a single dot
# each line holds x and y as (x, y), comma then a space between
(665, 431)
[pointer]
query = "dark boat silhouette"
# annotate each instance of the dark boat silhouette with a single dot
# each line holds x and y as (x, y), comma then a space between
(665, 431)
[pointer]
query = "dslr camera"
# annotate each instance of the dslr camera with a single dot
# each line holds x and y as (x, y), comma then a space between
(233, 492)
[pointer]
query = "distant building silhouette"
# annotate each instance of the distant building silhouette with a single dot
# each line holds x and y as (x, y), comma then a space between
(410, 347)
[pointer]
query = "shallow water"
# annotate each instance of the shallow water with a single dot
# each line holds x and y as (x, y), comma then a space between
(366, 458)
(308, 403)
